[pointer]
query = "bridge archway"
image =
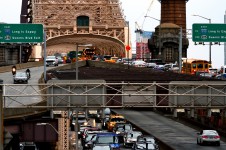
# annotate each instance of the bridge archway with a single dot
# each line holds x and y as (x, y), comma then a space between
(105, 45)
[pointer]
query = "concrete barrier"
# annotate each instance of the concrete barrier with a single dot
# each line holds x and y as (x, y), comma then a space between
(21, 66)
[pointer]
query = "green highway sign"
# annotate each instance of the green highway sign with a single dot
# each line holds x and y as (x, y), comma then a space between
(209, 32)
(21, 33)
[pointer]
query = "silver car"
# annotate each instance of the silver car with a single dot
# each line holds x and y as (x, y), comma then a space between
(208, 136)
(20, 77)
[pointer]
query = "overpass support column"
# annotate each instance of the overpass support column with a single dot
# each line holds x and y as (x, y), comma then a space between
(155, 92)
(192, 115)
(175, 104)
(209, 102)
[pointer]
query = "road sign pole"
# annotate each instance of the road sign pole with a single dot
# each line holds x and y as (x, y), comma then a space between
(1, 117)
(45, 56)
(180, 50)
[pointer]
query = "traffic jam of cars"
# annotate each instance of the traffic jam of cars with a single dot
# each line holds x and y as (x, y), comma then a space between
(112, 133)
(115, 132)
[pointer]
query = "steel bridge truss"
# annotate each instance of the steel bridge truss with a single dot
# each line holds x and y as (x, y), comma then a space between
(64, 96)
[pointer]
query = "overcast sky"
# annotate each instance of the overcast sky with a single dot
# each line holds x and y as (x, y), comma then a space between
(135, 10)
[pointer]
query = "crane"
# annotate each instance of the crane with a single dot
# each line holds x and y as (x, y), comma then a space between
(148, 10)
(138, 32)
(138, 29)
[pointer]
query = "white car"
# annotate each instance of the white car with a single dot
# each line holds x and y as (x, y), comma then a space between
(51, 61)
(130, 138)
(139, 63)
(20, 77)
(208, 136)
(105, 147)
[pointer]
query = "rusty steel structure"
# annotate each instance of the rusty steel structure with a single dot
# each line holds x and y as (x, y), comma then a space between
(164, 44)
(79, 22)
(174, 11)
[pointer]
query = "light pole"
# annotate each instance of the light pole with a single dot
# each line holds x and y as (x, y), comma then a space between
(128, 47)
(210, 61)
(44, 124)
(159, 32)
(76, 63)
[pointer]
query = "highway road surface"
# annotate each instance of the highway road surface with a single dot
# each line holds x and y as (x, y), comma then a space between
(175, 134)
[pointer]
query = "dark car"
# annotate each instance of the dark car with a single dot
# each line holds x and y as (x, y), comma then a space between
(89, 137)
(108, 139)
(20, 77)
(87, 142)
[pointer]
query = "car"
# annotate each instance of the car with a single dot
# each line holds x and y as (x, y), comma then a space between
(122, 128)
(113, 120)
(87, 142)
(208, 136)
(20, 77)
(130, 138)
(106, 139)
(60, 60)
(81, 118)
(139, 145)
(150, 65)
(51, 61)
(102, 147)
(146, 138)
(82, 127)
(89, 130)
(209, 75)
(139, 63)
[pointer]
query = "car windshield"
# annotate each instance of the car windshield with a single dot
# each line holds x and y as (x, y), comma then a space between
(21, 74)
(50, 57)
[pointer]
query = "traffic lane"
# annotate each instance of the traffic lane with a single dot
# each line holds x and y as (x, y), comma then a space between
(175, 134)
(25, 89)
(35, 72)
(22, 89)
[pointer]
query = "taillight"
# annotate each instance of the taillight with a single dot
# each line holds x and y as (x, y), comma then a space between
(205, 137)
(217, 137)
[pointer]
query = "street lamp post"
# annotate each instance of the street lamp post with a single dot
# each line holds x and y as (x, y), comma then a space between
(128, 44)
(210, 61)
(76, 63)
(159, 32)
(44, 124)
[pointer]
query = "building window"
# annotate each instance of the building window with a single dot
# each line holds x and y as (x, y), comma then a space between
(82, 21)
(169, 54)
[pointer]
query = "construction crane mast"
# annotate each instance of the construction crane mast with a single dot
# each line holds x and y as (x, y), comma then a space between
(138, 32)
